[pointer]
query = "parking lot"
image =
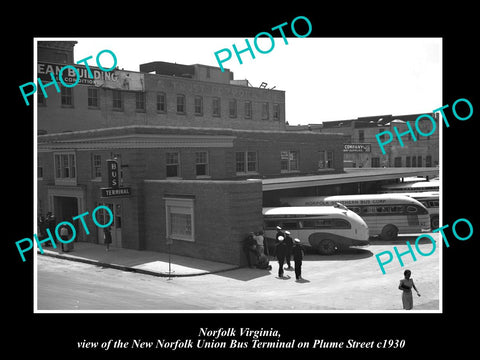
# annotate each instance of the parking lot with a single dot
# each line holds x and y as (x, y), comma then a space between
(348, 281)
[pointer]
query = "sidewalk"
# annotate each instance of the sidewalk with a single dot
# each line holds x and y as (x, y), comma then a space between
(141, 261)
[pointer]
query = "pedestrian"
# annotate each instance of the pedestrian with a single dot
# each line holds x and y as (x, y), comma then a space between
(298, 254)
(280, 250)
(249, 247)
(406, 285)
(107, 236)
(64, 236)
(279, 233)
(259, 239)
(42, 228)
(288, 246)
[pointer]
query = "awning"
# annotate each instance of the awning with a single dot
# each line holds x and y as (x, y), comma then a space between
(350, 175)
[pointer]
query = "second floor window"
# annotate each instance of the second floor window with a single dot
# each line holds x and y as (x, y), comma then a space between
(117, 99)
(201, 163)
(173, 164)
(246, 162)
(93, 97)
(276, 112)
(288, 161)
(67, 97)
(248, 109)
(181, 104)
(216, 106)
(96, 166)
(65, 167)
(140, 101)
(232, 108)
(161, 102)
(198, 105)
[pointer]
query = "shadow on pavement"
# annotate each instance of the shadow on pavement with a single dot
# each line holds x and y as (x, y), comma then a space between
(401, 240)
(344, 255)
(246, 273)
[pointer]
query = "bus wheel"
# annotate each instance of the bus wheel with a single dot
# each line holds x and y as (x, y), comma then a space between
(327, 247)
(389, 232)
(435, 222)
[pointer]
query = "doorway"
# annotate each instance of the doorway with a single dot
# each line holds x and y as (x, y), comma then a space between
(65, 208)
(103, 217)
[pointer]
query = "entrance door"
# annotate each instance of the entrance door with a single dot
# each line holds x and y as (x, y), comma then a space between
(115, 228)
(65, 208)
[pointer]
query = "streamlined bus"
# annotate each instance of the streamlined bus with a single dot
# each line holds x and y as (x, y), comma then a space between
(411, 186)
(386, 215)
(325, 228)
(429, 199)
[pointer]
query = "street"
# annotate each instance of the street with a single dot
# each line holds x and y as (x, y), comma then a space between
(348, 281)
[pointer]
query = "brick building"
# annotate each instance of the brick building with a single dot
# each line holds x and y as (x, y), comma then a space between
(362, 149)
(160, 94)
(188, 144)
(206, 175)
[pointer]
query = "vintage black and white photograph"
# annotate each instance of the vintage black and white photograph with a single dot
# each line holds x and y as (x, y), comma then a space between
(276, 173)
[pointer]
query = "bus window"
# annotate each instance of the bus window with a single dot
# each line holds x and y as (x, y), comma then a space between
(326, 224)
(290, 225)
(355, 209)
(411, 209)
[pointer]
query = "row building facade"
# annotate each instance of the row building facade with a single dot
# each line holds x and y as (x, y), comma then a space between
(361, 148)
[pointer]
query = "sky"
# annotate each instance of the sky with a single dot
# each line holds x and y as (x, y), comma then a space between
(324, 79)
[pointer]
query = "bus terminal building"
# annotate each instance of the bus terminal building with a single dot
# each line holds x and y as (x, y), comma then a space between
(185, 157)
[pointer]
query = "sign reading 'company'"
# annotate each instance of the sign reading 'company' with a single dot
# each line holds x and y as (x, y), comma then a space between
(357, 148)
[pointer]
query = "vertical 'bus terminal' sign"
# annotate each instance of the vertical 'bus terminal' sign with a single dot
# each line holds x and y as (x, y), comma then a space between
(112, 169)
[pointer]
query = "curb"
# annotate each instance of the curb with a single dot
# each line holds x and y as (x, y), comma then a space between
(131, 269)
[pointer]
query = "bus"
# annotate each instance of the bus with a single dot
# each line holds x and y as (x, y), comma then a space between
(327, 229)
(386, 215)
(429, 199)
(412, 186)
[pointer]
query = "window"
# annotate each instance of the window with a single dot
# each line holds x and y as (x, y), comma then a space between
(201, 163)
(375, 162)
(65, 168)
(414, 161)
(180, 104)
(407, 161)
(198, 105)
(216, 106)
(248, 110)
(288, 161)
(180, 219)
(428, 161)
(265, 111)
(67, 97)
(96, 166)
(246, 162)
(361, 136)
(326, 224)
(397, 161)
(140, 101)
(232, 108)
(325, 160)
(161, 102)
(411, 209)
(173, 164)
(276, 112)
(93, 97)
(419, 161)
(117, 99)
